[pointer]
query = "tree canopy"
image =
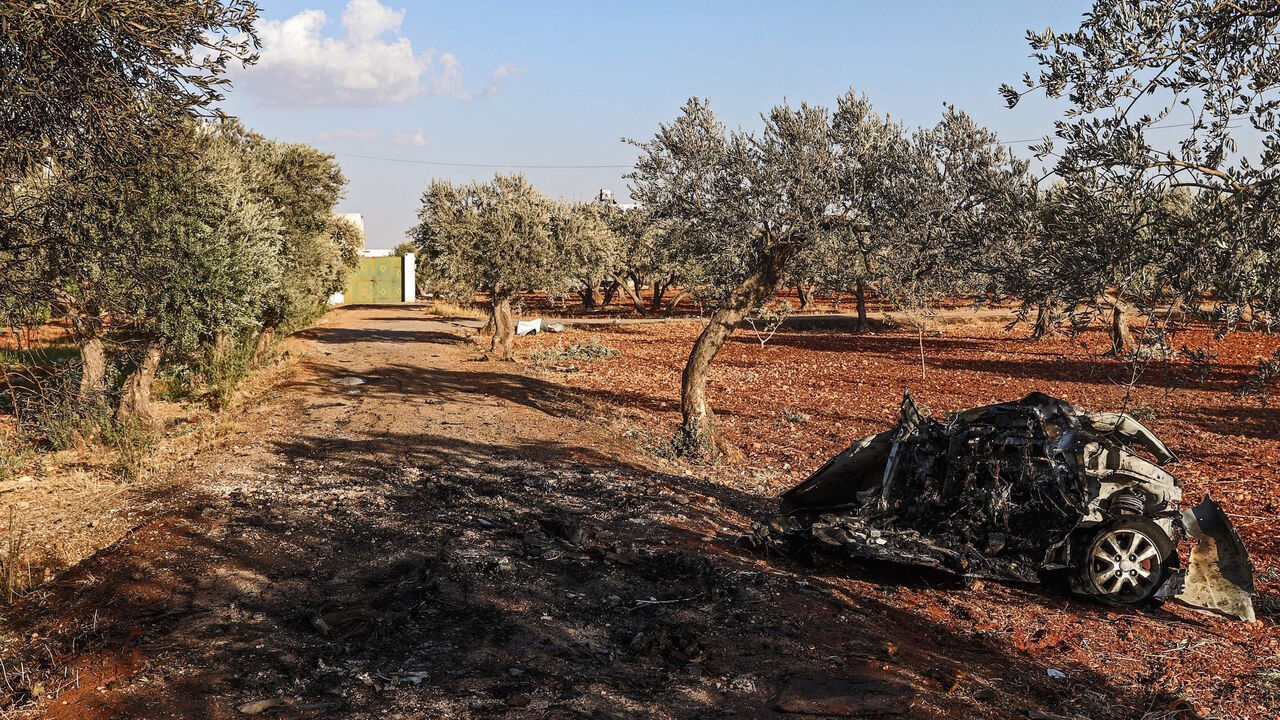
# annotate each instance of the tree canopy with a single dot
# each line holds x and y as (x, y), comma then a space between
(1211, 69)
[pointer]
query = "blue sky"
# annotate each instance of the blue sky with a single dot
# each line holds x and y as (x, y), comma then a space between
(528, 83)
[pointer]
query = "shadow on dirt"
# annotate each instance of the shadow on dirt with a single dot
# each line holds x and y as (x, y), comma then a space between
(416, 574)
(343, 336)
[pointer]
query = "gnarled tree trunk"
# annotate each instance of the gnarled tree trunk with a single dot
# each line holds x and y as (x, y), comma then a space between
(1046, 320)
(860, 294)
(697, 434)
(504, 329)
(806, 295)
(659, 291)
(135, 396)
(262, 345)
(93, 369)
(588, 295)
(610, 289)
(675, 301)
(1121, 337)
(86, 323)
(632, 292)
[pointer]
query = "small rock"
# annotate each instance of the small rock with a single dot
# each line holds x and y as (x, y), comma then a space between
(515, 672)
(743, 685)
(1057, 674)
(984, 694)
(519, 700)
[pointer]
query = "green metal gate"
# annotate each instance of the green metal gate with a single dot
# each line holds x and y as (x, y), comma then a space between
(377, 280)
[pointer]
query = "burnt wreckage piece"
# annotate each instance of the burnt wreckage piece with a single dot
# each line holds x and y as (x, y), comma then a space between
(1014, 490)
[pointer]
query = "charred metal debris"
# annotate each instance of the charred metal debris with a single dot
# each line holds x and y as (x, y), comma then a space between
(1016, 490)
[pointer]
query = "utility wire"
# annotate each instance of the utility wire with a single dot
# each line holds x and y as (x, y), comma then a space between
(555, 166)
(1149, 127)
(542, 166)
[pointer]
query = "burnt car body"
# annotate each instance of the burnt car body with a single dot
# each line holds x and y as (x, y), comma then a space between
(1016, 490)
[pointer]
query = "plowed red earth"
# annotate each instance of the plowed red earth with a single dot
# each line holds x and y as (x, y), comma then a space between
(793, 403)
(453, 538)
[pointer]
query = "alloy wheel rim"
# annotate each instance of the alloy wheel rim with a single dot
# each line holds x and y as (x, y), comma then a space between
(1124, 564)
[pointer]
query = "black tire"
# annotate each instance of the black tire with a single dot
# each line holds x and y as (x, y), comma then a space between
(1125, 561)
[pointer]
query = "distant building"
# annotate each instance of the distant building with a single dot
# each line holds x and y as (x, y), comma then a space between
(605, 197)
(356, 219)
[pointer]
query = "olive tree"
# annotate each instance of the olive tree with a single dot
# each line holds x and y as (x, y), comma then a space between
(493, 237)
(950, 201)
(317, 250)
(745, 205)
(92, 89)
(205, 258)
(1211, 68)
(875, 170)
(589, 247)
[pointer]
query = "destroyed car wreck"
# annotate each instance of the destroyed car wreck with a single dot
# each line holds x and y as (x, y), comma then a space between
(1017, 491)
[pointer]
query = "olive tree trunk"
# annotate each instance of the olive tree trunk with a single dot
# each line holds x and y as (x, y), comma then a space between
(93, 368)
(135, 396)
(588, 295)
(659, 291)
(86, 324)
(1121, 337)
(632, 292)
(698, 434)
(860, 295)
(262, 345)
(504, 329)
(806, 295)
(1046, 319)
(675, 301)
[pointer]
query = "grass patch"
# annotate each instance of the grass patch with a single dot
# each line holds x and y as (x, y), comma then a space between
(15, 576)
(134, 444)
(592, 349)
(45, 356)
(444, 308)
(47, 408)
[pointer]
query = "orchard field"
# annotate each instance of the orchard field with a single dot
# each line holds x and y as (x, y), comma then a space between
(804, 396)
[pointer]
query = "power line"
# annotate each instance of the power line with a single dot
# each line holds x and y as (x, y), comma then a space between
(558, 166)
(1149, 127)
(513, 166)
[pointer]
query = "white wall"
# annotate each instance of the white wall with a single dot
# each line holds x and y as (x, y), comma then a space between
(406, 274)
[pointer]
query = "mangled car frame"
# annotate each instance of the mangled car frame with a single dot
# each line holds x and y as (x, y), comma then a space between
(1017, 490)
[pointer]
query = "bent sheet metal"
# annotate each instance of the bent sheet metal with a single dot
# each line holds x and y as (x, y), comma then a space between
(1014, 490)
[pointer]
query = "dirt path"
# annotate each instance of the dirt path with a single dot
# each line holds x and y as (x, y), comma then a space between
(450, 539)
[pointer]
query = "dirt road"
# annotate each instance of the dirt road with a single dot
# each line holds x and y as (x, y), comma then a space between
(403, 531)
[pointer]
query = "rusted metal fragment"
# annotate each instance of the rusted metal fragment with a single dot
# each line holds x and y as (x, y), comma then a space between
(1219, 576)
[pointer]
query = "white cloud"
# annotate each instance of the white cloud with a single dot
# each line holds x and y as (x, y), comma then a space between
(417, 138)
(500, 73)
(507, 70)
(413, 139)
(371, 64)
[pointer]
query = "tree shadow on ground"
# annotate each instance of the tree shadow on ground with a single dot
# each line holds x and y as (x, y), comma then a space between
(419, 574)
(344, 336)
(541, 578)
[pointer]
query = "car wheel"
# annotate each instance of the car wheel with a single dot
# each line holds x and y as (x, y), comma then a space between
(1127, 561)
